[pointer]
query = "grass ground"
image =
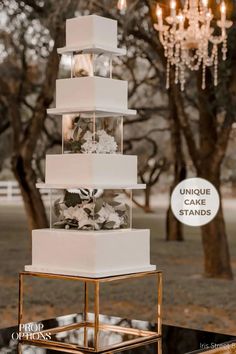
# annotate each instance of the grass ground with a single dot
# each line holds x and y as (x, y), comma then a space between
(189, 299)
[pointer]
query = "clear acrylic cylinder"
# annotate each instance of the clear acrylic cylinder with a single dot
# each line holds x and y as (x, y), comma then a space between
(91, 209)
(90, 64)
(90, 134)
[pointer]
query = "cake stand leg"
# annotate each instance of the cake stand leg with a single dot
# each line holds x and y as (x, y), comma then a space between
(96, 315)
(159, 346)
(86, 297)
(19, 348)
(159, 303)
(20, 304)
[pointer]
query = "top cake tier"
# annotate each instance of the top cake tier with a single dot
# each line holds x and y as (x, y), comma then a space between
(91, 34)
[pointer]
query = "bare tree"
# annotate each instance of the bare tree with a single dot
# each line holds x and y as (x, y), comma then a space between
(207, 159)
(208, 150)
(27, 89)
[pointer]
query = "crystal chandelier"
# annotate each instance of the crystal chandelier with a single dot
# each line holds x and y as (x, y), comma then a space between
(189, 40)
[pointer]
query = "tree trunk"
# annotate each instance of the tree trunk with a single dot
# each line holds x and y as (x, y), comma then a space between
(33, 203)
(174, 228)
(216, 251)
(147, 192)
(214, 238)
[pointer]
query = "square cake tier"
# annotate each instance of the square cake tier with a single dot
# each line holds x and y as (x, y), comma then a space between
(92, 30)
(90, 253)
(89, 169)
(91, 92)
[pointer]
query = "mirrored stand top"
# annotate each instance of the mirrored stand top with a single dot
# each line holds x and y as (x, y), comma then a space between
(175, 340)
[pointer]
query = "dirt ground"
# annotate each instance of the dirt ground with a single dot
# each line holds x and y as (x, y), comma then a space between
(189, 299)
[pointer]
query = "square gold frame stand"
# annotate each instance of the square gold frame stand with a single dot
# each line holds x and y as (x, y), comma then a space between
(134, 336)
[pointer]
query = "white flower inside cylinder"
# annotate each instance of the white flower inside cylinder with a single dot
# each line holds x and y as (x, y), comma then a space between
(88, 134)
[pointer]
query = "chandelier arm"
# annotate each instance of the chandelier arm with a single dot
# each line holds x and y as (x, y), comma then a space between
(216, 39)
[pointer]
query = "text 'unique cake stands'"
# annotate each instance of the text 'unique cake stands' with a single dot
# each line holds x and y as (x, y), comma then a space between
(91, 239)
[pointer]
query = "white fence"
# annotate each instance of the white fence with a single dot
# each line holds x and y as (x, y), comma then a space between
(10, 192)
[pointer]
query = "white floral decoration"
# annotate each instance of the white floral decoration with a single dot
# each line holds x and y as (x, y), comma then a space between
(116, 219)
(90, 211)
(105, 144)
(106, 214)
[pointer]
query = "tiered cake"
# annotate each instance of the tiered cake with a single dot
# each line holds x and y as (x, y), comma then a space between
(91, 182)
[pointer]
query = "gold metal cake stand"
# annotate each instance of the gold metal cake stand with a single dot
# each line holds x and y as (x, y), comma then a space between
(91, 329)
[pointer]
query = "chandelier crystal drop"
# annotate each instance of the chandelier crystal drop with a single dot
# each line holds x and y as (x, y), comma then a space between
(189, 41)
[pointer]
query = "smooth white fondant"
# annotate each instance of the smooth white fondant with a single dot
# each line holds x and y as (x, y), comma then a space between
(100, 111)
(90, 253)
(90, 31)
(91, 169)
(91, 92)
(90, 186)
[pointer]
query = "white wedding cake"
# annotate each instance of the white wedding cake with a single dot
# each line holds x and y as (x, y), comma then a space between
(91, 182)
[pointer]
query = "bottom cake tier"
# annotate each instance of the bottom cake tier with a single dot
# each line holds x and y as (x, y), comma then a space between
(90, 253)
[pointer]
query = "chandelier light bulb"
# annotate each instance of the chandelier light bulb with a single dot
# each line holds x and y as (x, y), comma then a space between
(158, 11)
(223, 16)
(122, 5)
(188, 40)
(173, 8)
(172, 4)
(223, 7)
(159, 16)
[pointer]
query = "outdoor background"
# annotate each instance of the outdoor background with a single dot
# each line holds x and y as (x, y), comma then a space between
(175, 135)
